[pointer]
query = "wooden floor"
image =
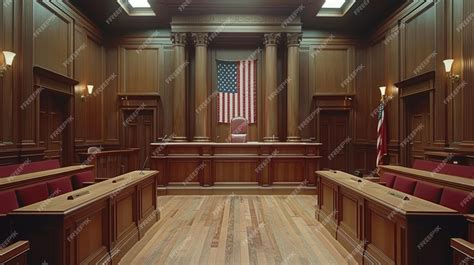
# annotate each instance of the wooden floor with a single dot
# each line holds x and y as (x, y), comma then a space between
(262, 229)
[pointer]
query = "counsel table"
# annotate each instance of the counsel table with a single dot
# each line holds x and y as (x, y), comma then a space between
(379, 224)
(97, 223)
(253, 162)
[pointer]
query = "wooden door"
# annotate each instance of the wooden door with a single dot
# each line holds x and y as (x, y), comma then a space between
(53, 124)
(138, 133)
(334, 135)
(418, 124)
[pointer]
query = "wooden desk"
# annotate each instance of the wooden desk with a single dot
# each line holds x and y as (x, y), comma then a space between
(98, 223)
(109, 164)
(15, 254)
(379, 224)
(259, 163)
(435, 178)
(41, 176)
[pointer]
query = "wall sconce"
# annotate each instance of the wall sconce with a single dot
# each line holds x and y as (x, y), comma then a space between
(448, 66)
(90, 89)
(9, 56)
(383, 89)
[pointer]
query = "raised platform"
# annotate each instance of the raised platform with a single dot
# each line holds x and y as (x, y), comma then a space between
(236, 189)
(261, 163)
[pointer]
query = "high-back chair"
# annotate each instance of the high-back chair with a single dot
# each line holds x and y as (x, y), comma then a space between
(238, 130)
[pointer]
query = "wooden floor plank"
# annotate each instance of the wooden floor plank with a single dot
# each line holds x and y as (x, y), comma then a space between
(237, 229)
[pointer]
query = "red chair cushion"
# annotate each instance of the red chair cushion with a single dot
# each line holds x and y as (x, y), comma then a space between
(79, 179)
(428, 192)
(60, 186)
(24, 168)
(238, 138)
(32, 194)
(41, 166)
(8, 202)
(425, 165)
(388, 179)
(458, 200)
(458, 170)
(404, 185)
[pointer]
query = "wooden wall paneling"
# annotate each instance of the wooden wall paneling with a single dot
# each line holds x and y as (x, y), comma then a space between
(29, 126)
(462, 95)
(165, 126)
(139, 68)
(332, 66)
(306, 96)
(10, 37)
(111, 109)
(51, 23)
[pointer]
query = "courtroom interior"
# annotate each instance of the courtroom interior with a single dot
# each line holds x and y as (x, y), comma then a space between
(237, 132)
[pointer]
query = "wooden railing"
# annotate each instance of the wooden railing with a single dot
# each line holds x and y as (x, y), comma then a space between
(109, 164)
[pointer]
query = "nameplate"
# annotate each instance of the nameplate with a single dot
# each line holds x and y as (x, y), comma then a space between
(77, 195)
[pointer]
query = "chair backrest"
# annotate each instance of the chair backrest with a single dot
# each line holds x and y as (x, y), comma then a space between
(238, 129)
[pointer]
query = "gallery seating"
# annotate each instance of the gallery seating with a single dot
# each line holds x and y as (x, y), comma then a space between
(449, 169)
(61, 186)
(25, 168)
(457, 199)
(32, 194)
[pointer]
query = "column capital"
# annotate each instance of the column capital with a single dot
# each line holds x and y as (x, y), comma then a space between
(200, 39)
(271, 39)
(293, 39)
(179, 38)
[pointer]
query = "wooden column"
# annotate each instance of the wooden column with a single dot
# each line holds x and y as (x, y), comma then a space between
(293, 42)
(179, 88)
(201, 128)
(271, 102)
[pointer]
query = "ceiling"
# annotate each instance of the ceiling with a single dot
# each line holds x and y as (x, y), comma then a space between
(109, 16)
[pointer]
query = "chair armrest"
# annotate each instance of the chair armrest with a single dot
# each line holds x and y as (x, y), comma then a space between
(14, 251)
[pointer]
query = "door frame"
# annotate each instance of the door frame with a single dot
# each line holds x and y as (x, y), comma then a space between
(408, 88)
(337, 102)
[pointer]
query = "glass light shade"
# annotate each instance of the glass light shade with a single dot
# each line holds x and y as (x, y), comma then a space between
(9, 57)
(448, 65)
(382, 90)
(90, 88)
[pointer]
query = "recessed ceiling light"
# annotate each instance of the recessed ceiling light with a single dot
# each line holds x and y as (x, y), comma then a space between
(139, 3)
(334, 3)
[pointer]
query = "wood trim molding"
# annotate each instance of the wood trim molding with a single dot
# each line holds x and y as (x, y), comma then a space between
(235, 23)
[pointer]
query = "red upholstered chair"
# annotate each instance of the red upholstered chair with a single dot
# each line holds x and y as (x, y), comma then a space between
(458, 170)
(7, 171)
(404, 185)
(461, 201)
(60, 186)
(425, 165)
(82, 179)
(427, 191)
(387, 179)
(8, 202)
(238, 130)
(32, 194)
(41, 166)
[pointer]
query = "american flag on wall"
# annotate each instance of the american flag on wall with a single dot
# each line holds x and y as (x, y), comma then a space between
(381, 134)
(237, 87)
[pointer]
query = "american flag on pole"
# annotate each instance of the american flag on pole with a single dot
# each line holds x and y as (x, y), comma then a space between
(381, 134)
(237, 87)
